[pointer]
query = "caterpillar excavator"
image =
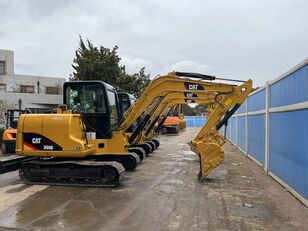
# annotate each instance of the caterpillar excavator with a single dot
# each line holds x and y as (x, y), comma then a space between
(148, 146)
(87, 143)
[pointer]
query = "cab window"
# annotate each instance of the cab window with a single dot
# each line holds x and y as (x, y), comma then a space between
(113, 107)
(86, 98)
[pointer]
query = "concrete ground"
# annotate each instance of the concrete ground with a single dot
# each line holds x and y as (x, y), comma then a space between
(162, 194)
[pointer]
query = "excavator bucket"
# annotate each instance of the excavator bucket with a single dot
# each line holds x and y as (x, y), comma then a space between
(211, 155)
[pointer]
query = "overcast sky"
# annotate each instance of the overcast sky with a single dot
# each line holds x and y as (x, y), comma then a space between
(243, 39)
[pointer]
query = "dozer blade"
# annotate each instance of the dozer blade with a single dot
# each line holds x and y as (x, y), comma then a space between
(210, 156)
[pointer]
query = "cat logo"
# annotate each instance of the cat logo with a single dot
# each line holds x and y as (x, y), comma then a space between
(36, 140)
(190, 94)
(192, 86)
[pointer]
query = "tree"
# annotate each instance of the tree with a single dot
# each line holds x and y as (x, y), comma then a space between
(93, 63)
(134, 84)
(3, 108)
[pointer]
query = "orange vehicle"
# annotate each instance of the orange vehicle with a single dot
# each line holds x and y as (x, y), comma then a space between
(174, 123)
(9, 135)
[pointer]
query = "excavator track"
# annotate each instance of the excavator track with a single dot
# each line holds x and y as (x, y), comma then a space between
(129, 161)
(156, 142)
(72, 173)
(153, 145)
(146, 147)
(139, 151)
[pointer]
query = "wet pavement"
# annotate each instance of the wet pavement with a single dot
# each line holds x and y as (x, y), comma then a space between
(162, 194)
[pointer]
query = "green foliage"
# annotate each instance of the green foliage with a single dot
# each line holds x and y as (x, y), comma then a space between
(93, 63)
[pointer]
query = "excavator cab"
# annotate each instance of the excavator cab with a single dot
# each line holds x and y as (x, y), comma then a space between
(97, 103)
(126, 100)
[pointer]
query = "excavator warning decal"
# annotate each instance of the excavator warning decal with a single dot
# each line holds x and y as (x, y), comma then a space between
(228, 102)
(193, 86)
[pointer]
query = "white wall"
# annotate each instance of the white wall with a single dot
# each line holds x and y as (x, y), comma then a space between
(33, 81)
(31, 100)
(13, 82)
(7, 79)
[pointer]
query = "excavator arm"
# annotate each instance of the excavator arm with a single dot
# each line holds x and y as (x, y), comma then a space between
(223, 100)
(158, 89)
(208, 142)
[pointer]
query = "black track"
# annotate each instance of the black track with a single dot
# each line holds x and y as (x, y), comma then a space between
(71, 172)
(146, 147)
(129, 160)
(153, 145)
(139, 151)
(156, 142)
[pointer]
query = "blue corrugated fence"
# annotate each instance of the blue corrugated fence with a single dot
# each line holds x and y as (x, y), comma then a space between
(272, 128)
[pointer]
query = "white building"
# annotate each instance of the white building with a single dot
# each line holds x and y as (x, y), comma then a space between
(26, 91)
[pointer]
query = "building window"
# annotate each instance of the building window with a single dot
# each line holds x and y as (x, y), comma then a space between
(2, 68)
(26, 89)
(2, 87)
(52, 90)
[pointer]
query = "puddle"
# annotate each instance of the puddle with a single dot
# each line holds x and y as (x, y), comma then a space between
(174, 182)
(188, 153)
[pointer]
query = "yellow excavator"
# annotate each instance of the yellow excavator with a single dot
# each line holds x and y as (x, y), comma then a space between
(148, 146)
(87, 143)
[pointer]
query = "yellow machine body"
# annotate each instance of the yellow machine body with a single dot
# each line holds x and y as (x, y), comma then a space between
(62, 135)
